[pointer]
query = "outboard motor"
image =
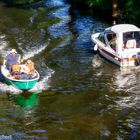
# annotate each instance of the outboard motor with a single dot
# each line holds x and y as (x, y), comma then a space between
(138, 59)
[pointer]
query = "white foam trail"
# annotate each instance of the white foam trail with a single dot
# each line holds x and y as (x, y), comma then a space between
(2, 36)
(33, 52)
(128, 80)
(125, 80)
(3, 44)
(4, 88)
(44, 83)
(127, 101)
(62, 44)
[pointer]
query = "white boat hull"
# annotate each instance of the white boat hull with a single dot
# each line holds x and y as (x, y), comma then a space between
(109, 56)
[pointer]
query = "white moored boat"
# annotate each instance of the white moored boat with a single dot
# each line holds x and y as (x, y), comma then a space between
(126, 49)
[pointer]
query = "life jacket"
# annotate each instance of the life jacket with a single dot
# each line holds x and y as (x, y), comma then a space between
(15, 68)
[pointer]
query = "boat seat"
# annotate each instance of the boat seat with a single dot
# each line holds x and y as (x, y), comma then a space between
(131, 44)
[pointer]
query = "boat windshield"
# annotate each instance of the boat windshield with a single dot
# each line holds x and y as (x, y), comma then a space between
(131, 40)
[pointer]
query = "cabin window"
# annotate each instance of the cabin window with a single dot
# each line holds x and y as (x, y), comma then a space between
(112, 38)
(131, 40)
(101, 38)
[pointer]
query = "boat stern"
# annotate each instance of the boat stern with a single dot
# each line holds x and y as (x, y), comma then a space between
(128, 61)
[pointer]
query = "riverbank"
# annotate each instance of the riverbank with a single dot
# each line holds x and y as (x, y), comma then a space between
(17, 2)
(125, 12)
(101, 10)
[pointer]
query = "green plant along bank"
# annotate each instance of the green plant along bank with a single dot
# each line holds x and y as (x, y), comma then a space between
(128, 10)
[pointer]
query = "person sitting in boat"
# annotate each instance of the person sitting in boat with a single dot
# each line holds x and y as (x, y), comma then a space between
(12, 58)
(25, 69)
(113, 42)
(15, 72)
(28, 70)
(30, 65)
(25, 72)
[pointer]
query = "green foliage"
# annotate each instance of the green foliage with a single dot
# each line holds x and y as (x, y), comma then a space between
(101, 4)
(132, 10)
(95, 2)
(128, 9)
(18, 2)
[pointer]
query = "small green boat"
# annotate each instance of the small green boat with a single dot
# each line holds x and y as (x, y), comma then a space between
(22, 84)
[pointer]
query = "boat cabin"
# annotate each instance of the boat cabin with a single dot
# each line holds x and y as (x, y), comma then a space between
(122, 38)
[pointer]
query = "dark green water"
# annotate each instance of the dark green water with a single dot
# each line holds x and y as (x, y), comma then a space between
(80, 96)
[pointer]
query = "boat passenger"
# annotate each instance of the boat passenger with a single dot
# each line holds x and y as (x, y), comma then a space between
(28, 70)
(30, 65)
(25, 69)
(113, 42)
(12, 58)
(15, 73)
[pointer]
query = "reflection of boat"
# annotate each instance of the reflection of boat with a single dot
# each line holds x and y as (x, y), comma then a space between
(22, 84)
(126, 47)
(26, 100)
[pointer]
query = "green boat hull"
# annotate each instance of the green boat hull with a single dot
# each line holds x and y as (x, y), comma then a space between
(19, 83)
(23, 85)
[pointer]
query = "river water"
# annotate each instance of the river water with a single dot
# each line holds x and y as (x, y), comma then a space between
(79, 96)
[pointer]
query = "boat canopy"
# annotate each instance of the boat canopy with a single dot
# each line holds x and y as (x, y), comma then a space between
(121, 28)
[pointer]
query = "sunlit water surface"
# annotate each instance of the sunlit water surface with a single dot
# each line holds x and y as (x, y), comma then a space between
(79, 96)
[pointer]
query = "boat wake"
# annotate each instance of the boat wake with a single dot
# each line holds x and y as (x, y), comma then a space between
(33, 51)
(129, 101)
(128, 80)
(3, 45)
(43, 84)
(4, 88)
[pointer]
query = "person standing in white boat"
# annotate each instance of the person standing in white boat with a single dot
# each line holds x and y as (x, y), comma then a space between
(11, 59)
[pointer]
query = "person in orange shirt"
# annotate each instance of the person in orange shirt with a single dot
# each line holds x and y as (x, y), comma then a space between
(30, 65)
